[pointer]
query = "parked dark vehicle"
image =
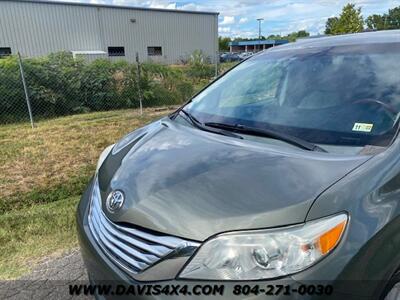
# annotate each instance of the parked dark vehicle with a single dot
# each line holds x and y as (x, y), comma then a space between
(284, 171)
(230, 57)
(245, 55)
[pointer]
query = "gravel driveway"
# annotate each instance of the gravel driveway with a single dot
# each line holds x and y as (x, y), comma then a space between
(49, 280)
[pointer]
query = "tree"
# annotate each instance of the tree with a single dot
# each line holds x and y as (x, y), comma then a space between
(291, 37)
(331, 25)
(238, 39)
(274, 37)
(349, 21)
(223, 43)
(390, 20)
(376, 22)
(302, 33)
(393, 18)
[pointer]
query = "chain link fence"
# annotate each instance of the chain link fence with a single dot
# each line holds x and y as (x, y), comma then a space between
(78, 108)
(33, 89)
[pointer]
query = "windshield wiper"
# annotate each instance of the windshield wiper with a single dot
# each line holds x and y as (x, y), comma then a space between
(174, 114)
(196, 123)
(268, 133)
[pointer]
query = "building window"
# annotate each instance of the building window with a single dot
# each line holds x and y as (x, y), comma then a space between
(5, 51)
(116, 51)
(154, 51)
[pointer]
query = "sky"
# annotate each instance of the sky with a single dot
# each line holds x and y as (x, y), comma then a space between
(238, 17)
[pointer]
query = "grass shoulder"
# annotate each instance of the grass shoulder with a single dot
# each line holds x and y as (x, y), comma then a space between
(43, 172)
(28, 235)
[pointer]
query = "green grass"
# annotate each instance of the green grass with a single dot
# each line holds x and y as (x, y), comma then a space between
(53, 161)
(30, 234)
(43, 171)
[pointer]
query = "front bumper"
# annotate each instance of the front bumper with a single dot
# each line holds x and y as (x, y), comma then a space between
(102, 271)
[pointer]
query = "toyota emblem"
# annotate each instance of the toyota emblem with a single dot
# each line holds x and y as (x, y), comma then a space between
(115, 201)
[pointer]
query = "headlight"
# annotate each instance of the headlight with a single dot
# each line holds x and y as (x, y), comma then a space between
(103, 156)
(263, 254)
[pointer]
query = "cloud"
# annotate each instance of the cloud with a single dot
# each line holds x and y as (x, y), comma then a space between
(144, 3)
(238, 17)
(227, 20)
(224, 29)
(193, 6)
(162, 4)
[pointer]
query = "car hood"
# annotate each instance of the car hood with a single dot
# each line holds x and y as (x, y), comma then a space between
(193, 184)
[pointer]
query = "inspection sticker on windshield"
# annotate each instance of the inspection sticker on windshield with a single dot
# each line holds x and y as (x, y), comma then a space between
(363, 127)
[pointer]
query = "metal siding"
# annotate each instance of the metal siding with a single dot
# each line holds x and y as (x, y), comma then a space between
(130, 7)
(178, 34)
(37, 29)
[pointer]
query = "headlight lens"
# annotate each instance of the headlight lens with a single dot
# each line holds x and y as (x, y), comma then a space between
(103, 156)
(263, 254)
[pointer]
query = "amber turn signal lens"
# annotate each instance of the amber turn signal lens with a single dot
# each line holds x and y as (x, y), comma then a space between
(330, 239)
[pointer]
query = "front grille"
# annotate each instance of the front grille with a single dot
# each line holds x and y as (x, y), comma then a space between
(131, 249)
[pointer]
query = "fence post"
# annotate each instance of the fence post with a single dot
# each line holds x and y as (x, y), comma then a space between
(216, 64)
(138, 82)
(28, 103)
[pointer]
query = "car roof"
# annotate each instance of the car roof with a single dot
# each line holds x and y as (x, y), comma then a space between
(364, 38)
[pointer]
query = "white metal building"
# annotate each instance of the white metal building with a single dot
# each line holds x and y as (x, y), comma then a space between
(36, 28)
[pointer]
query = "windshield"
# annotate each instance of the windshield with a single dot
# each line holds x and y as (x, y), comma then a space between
(344, 95)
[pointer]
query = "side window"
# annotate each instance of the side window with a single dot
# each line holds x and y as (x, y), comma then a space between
(116, 51)
(154, 51)
(5, 51)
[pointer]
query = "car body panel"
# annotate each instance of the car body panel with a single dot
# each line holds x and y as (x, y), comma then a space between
(213, 183)
(102, 271)
(192, 184)
(371, 196)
